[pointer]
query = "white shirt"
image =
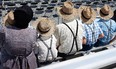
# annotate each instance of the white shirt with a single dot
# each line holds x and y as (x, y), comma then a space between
(65, 37)
(43, 50)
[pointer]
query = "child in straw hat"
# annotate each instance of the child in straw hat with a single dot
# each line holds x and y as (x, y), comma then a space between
(92, 30)
(107, 25)
(69, 34)
(46, 42)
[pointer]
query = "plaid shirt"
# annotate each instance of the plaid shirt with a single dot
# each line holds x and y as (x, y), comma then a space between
(92, 32)
(108, 34)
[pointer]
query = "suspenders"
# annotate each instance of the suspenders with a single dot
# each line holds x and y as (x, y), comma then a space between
(74, 37)
(49, 48)
(93, 32)
(109, 29)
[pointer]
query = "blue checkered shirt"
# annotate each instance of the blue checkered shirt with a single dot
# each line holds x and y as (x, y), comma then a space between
(111, 24)
(92, 32)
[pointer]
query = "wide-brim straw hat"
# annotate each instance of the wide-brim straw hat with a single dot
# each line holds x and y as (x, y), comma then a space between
(87, 14)
(45, 26)
(67, 12)
(106, 12)
(9, 18)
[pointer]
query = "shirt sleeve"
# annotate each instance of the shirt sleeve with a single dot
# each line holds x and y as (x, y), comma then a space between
(99, 29)
(84, 31)
(80, 35)
(56, 34)
(114, 25)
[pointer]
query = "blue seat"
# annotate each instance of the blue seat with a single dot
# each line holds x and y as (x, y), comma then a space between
(33, 6)
(50, 7)
(45, 2)
(55, 15)
(48, 11)
(63, 0)
(39, 12)
(11, 4)
(60, 4)
(52, 4)
(39, 8)
(23, 3)
(44, 5)
(53, 1)
(34, 3)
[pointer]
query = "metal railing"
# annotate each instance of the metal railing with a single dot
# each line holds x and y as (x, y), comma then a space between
(91, 61)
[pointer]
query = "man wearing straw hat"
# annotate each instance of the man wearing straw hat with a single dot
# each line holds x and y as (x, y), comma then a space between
(107, 25)
(92, 30)
(69, 34)
(46, 42)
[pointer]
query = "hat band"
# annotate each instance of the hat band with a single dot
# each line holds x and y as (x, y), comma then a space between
(103, 13)
(84, 16)
(44, 31)
(65, 12)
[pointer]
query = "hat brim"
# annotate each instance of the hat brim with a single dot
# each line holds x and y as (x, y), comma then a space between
(87, 21)
(50, 32)
(110, 15)
(67, 17)
(9, 18)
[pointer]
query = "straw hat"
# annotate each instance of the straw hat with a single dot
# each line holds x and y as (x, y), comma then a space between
(68, 12)
(87, 14)
(9, 18)
(106, 12)
(44, 26)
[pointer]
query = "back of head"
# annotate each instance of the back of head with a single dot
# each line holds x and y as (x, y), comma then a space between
(22, 16)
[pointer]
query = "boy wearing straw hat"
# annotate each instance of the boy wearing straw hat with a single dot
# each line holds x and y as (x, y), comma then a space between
(46, 42)
(92, 30)
(107, 25)
(69, 34)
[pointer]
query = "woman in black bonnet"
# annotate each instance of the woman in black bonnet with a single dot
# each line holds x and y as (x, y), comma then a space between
(17, 40)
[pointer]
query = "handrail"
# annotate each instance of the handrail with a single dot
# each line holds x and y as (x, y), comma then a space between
(91, 61)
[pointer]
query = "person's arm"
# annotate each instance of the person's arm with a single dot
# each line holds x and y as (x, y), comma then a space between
(84, 40)
(57, 36)
(101, 35)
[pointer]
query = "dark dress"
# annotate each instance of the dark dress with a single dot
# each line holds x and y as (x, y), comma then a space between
(17, 48)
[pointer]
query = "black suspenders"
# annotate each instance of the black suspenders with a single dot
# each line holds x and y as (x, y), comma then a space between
(74, 37)
(49, 48)
(109, 29)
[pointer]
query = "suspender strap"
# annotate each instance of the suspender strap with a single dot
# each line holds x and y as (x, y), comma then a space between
(109, 29)
(74, 37)
(49, 48)
(93, 33)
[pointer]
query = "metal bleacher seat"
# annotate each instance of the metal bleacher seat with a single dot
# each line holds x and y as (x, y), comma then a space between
(60, 4)
(39, 12)
(104, 1)
(52, 4)
(23, 3)
(50, 7)
(63, 0)
(54, 1)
